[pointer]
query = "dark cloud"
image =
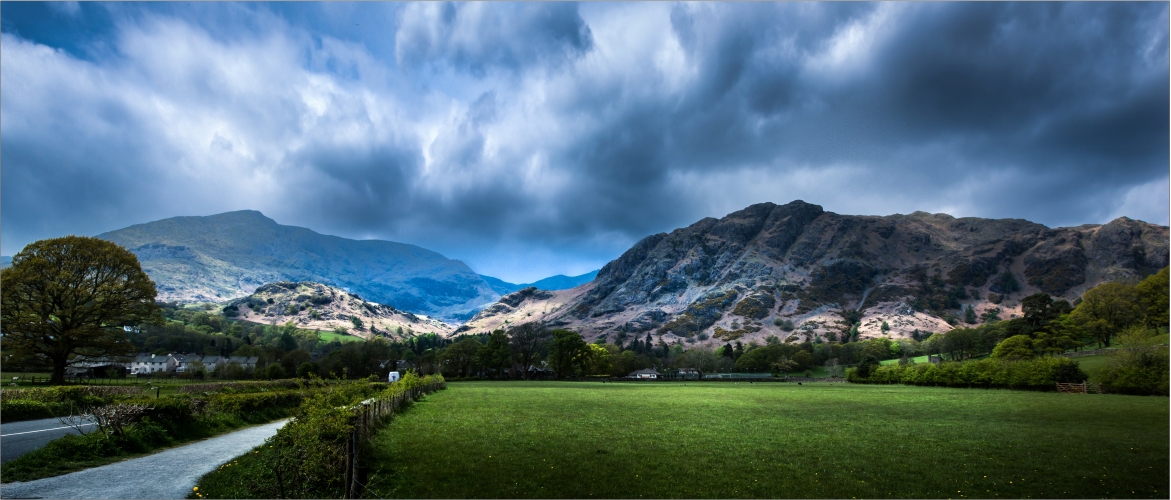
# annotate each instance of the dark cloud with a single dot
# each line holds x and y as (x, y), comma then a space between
(477, 37)
(543, 138)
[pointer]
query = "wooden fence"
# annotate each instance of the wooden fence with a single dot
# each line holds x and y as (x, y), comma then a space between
(1082, 388)
(368, 416)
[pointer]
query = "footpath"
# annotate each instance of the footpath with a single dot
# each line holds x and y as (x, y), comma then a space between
(167, 474)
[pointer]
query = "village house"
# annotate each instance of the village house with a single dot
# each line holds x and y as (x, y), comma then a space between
(144, 364)
(646, 373)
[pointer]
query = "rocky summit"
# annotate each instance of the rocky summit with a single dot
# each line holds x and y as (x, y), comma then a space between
(801, 273)
(227, 256)
(313, 306)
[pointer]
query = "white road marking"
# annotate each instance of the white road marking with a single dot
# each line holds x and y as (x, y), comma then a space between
(42, 430)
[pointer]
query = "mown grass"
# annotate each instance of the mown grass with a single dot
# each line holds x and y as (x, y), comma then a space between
(706, 440)
(332, 336)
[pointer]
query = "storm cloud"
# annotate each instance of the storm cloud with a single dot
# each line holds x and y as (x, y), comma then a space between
(544, 138)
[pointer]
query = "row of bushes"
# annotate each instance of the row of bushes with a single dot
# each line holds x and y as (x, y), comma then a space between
(74, 393)
(1033, 374)
(143, 424)
(307, 457)
(48, 402)
(248, 386)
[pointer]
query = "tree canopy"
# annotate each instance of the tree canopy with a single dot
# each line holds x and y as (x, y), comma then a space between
(72, 296)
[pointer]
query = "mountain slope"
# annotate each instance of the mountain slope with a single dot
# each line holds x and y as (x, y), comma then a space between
(229, 255)
(558, 282)
(315, 306)
(742, 277)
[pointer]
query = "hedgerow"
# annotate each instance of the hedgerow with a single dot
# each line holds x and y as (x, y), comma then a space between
(248, 386)
(48, 402)
(160, 422)
(307, 457)
(1033, 374)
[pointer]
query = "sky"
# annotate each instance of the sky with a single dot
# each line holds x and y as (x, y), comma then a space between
(536, 139)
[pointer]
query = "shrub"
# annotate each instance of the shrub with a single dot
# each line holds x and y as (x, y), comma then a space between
(244, 386)
(1138, 367)
(78, 394)
(22, 409)
(244, 404)
(1037, 374)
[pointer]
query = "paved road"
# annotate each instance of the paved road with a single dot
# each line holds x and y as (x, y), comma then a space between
(18, 438)
(167, 474)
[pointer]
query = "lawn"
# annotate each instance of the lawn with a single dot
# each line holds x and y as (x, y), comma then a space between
(332, 336)
(818, 440)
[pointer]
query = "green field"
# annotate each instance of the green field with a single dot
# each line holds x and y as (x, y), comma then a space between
(331, 336)
(712, 439)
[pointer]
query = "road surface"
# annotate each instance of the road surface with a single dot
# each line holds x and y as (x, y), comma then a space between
(18, 438)
(167, 474)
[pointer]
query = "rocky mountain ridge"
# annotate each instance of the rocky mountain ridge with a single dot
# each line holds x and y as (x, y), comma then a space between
(801, 273)
(314, 306)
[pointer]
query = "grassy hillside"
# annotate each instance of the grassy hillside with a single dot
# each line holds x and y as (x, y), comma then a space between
(629, 440)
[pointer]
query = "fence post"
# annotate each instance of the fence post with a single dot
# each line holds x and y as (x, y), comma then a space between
(349, 464)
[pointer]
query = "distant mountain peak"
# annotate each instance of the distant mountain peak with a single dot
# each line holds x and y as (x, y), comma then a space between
(229, 255)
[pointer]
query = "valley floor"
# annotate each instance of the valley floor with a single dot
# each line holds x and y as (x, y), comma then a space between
(706, 440)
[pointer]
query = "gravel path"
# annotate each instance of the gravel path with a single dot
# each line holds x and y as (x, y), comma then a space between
(167, 474)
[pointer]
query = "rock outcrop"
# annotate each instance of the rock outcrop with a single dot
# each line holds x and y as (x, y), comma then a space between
(316, 306)
(757, 271)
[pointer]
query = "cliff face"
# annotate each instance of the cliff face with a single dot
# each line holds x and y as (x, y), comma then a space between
(745, 275)
(230, 255)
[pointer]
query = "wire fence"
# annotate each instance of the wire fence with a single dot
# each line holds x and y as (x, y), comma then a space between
(368, 417)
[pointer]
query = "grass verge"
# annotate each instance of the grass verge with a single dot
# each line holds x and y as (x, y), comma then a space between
(72, 453)
(708, 440)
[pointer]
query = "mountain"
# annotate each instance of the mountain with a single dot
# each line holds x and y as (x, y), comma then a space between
(315, 306)
(559, 282)
(230, 255)
(797, 272)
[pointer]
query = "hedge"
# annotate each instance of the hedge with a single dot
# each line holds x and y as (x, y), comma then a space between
(248, 386)
(49, 402)
(1032, 374)
(75, 394)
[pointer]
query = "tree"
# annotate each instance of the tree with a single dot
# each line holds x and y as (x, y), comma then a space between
(595, 359)
(969, 315)
(274, 371)
(703, 360)
(990, 316)
(461, 357)
(71, 296)
(565, 352)
(1154, 293)
(1005, 283)
(495, 354)
(306, 369)
(1107, 309)
(526, 341)
(867, 365)
(1015, 347)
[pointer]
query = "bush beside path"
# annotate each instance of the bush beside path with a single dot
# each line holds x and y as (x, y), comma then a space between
(168, 474)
